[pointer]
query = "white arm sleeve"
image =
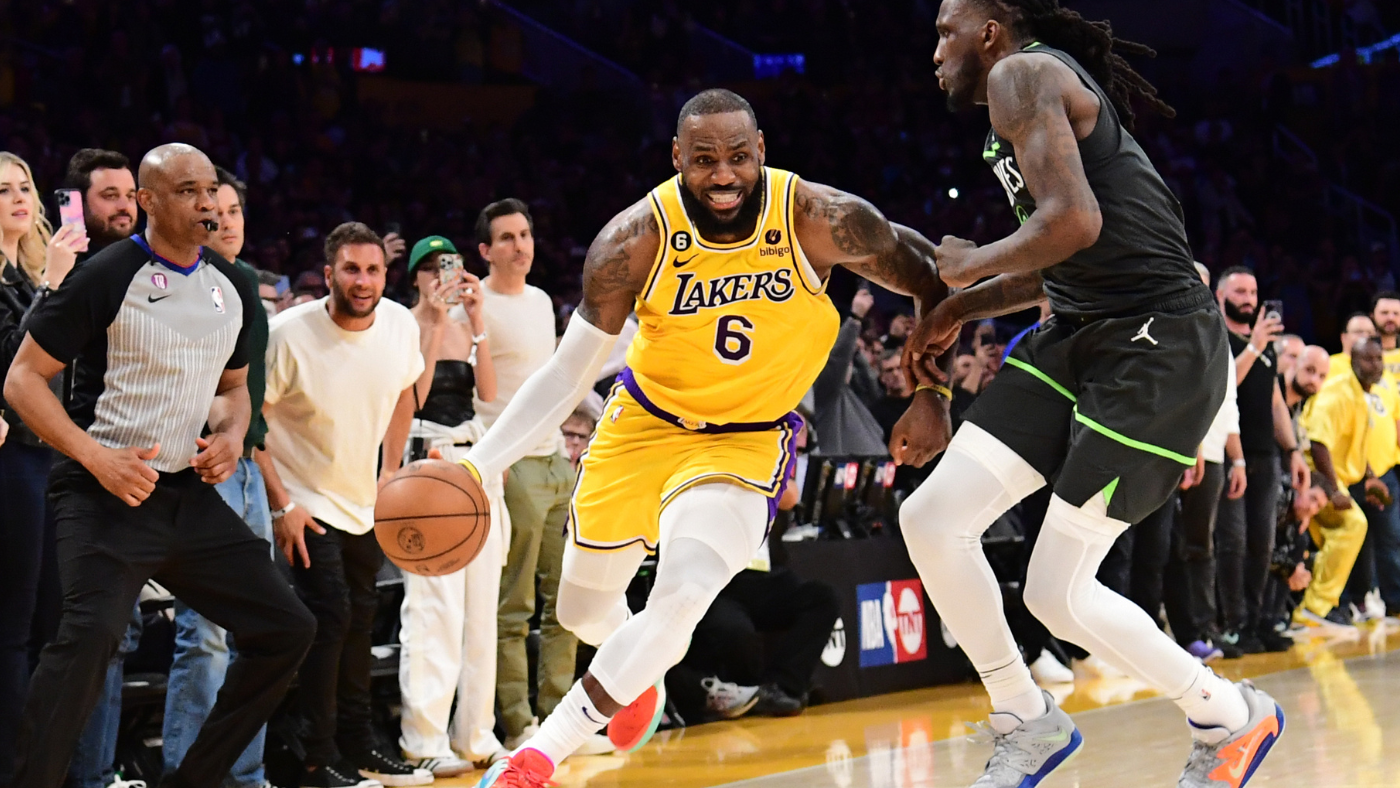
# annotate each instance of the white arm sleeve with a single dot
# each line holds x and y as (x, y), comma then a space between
(545, 400)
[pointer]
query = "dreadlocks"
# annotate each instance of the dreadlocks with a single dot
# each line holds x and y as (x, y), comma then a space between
(1092, 44)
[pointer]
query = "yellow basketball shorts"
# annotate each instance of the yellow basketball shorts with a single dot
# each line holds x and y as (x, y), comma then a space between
(637, 463)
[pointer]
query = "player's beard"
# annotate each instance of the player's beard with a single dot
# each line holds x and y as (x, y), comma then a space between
(1237, 314)
(712, 227)
(960, 84)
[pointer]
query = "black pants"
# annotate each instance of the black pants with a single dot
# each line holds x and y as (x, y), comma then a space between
(1244, 544)
(1189, 577)
(188, 539)
(335, 679)
(728, 642)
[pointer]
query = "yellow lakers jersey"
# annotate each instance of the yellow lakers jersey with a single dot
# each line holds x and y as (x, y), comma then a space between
(732, 332)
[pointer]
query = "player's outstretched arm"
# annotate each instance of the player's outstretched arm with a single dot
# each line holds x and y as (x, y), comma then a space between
(937, 332)
(614, 272)
(1029, 98)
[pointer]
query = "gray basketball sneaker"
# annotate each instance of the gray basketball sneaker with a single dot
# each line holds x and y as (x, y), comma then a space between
(1025, 753)
(1220, 759)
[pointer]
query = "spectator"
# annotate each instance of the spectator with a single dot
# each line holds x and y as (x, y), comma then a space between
(340, 375)
(1374, 583)
(1245, 528)
(1287, 347)
(202, 649)
(900, 326)
(1336, 421)
(1385, 314)
(578, 428)
(130, 512)
(1291, 571)
(274, 298)
(842, 423)
(1359, 326)
(448, 623)
(520, 322)
(899, 392)
(29, 259)
(109, 195)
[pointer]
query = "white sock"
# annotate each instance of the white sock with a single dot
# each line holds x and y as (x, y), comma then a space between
(1014, 691)
(568, 726)
(1211, 701)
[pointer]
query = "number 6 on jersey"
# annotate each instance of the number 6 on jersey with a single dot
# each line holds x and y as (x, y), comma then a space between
(733, 344)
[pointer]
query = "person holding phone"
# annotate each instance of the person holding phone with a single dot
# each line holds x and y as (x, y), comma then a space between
(32, 257)
(449, 622)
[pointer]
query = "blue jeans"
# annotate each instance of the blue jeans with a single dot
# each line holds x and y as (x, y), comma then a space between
(94, 760)
(203, 650)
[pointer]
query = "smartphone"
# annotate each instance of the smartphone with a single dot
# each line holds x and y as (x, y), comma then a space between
(449, 274)
(393, 228)
(70, 206)
(1274, 308)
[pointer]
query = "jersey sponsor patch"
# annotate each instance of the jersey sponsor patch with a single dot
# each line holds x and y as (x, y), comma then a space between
(891, 623)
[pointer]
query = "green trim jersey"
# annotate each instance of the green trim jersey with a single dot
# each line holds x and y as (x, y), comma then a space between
(1141, 258)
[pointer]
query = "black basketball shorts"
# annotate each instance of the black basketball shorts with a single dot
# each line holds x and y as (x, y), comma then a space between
(1116, 405)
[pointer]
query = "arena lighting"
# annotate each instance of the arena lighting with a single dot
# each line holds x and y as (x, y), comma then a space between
(770, 66)
(1363, 54)
(953, 194)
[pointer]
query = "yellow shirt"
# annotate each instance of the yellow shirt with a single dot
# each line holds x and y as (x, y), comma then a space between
(1340, 365)
(1381, 450)
(1392, 363)
(1339, 417)
(731, 332)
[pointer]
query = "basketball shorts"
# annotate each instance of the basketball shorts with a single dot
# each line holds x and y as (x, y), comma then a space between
(637, 463)
(1116, 405)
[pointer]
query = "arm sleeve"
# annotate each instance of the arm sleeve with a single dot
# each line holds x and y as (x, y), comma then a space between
(545, 400)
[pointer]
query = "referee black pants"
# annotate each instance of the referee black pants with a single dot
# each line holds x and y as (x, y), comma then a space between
(191, 542)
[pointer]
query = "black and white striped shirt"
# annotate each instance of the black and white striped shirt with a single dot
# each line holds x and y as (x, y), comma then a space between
(149, 340)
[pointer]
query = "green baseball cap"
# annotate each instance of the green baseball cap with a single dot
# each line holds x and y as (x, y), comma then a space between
(425, 247)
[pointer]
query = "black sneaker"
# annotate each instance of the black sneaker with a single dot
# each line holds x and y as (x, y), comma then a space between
(337, 775)
(1229, 645)
(1250, 643)
(774, 702)
(377, 764)
(1273, 641)
(1336, 616)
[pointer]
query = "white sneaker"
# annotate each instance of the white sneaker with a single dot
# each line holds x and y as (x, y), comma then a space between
(1093, 667)
(1048, 670)
(513, 742)
(120, 783)
(597, 744)
(1374, 606)
(727, 699)
(451, 766)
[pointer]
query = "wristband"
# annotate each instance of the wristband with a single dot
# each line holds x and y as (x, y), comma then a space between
(1250, 349)
(284, 511)
(1238, 463)
(942, 391)
(478, 339)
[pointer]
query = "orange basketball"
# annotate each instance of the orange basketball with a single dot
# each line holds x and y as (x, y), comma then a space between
(432, 518)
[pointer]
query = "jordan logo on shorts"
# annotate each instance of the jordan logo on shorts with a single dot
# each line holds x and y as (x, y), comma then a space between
(1142, 332)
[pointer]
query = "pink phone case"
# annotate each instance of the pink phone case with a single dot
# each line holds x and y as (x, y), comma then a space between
(70, 206)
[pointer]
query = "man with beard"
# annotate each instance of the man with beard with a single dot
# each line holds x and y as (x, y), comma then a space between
(109, 195)
(340, 375)
(1338, 423)
(1385, 313)
(1107, 402)
(726, 266)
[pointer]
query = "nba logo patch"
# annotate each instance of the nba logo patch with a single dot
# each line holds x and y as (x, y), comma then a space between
(217, 294)
(160, 281)
(891, 623)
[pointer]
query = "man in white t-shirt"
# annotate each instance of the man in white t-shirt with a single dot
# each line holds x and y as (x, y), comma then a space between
(520, 322)
(340, 374)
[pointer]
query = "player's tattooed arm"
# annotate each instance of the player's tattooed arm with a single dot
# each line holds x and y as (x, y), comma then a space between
(836, 228)
(617, 266)
(1031, 99)
(937, 333)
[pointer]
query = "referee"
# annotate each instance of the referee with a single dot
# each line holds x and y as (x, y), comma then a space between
(156, 328)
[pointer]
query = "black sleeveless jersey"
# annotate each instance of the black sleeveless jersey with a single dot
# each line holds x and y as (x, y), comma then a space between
(1141, 259)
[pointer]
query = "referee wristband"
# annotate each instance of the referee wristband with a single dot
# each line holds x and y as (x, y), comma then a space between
(942, 391)
(284, 511)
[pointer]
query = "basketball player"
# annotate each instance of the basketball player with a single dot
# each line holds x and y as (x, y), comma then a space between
(1107, 401)
(726, 266)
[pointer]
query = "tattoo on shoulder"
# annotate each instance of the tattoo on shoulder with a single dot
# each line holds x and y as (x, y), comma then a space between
(1023, 86)
(608, 269)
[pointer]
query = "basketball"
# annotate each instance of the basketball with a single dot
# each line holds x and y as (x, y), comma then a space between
(432, 518)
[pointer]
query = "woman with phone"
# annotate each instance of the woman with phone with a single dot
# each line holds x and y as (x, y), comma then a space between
(31, 257)
(449, 622)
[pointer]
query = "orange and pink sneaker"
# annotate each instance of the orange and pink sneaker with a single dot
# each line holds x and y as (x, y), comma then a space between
(636, 724)
(527, 768)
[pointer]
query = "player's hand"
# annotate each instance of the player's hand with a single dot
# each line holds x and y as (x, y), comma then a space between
(1266, 330)
(290, 531)
(1239, 481)
(1377, 493)
(124, 472)
(395, 246)
(1298, 472)
(62, 252)
(922, 432)
(217, 458)
(932, 337)
(1340, 500)
(954, 257)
